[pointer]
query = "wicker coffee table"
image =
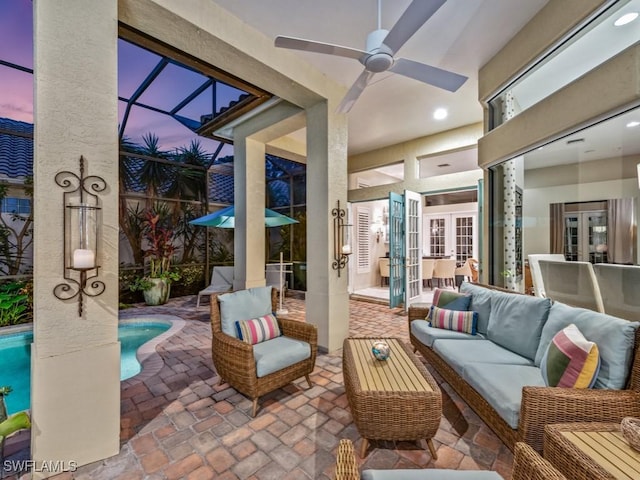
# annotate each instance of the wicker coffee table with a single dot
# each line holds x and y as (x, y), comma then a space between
(585, 451)
(393, 399)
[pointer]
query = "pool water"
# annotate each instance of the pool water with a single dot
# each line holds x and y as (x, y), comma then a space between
(15, 359)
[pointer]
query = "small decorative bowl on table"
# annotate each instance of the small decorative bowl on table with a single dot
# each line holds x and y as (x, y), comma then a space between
(381, 350)
(630, 428)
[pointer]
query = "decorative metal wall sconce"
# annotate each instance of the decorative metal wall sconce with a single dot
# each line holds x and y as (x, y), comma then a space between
(81, 225)
(341, 245)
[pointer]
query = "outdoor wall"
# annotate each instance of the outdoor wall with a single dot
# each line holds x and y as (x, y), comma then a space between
(75, 360)
(370, 177)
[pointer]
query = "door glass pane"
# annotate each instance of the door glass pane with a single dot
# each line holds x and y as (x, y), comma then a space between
(437, 232)
(571, 238)
(464, 239)
(597, 237)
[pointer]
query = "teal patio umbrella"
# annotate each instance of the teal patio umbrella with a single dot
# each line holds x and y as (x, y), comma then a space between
(225, 218)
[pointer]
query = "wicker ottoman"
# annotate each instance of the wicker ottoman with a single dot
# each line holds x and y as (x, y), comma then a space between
(394, 399)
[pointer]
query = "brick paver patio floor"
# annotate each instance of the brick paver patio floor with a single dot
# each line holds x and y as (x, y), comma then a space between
(181, 423)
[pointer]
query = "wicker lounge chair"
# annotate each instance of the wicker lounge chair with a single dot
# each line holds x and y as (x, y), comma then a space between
(235, 362)
(527, 465)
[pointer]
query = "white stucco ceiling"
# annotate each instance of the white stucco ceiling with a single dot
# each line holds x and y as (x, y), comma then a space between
(462, 36)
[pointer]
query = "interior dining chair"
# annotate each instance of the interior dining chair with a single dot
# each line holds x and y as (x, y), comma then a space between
(428, 265)
(255, 352)
(383, 265)
(445, 269)
(469, 270)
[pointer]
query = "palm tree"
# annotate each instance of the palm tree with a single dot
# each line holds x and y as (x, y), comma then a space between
(155, 176)
(130, 216)
(189, 184)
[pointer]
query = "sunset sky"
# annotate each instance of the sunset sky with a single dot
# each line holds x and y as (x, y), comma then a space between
(134, 64)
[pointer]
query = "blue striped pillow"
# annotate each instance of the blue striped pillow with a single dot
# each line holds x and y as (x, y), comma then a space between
(258, 329)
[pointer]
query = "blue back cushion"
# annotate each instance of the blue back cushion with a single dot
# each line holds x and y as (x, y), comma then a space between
(480, 302)
(516, 322)
(243, 305)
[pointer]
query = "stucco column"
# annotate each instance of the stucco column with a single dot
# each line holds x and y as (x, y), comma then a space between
(327, 299)
(75, 361)
(249, 200)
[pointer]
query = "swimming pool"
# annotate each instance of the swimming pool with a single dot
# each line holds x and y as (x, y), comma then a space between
(15, 358)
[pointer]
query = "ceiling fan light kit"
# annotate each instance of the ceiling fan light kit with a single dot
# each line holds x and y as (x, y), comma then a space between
(381, 47)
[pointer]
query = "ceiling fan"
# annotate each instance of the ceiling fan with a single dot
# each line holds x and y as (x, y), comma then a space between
(381, 47)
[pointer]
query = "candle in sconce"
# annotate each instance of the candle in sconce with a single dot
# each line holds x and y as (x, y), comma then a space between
(83, 258)
(346, 249)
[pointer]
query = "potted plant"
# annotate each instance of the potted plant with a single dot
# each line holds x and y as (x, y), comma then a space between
(156, 285)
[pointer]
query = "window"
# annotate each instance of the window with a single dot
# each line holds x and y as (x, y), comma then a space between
(18, 206)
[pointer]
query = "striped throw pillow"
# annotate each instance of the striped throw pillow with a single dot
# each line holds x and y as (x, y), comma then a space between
(258, 329)
(571, 360)
(458, 320)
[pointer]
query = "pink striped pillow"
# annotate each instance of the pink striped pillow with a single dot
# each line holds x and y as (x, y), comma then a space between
(258, 329)
(458, 320)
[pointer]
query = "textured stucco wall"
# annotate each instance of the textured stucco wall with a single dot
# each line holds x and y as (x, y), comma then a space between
(75, 397)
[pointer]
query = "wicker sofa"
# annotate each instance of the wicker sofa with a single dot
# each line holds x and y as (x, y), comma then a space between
(513, 380)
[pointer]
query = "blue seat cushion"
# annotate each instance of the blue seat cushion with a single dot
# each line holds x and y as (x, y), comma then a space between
(278, 353)
(429, 474)
(427, 335)
(243, 305)
(501, 386)
(516, 322)
(459, 354)
(480, 303)
(615, 338)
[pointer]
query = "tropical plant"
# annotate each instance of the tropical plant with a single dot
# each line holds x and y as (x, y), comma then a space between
(15, 303)
(154, 175)
(160, 249)
(189, 183)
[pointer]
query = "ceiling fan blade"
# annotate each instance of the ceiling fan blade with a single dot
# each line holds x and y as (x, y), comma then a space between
(355, 91)
(411, 20)
(426, 73)
(318, 47)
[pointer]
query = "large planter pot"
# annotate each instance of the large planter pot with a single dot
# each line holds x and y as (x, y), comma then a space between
(158, 293)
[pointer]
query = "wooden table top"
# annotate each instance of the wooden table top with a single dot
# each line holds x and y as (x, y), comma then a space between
(609, 450)
(592, 450)
(396, 374)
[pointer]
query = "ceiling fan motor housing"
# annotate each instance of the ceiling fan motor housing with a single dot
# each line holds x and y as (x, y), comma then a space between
(380, 56)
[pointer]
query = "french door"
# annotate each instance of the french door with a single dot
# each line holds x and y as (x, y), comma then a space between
(451, 235)
(405, 248)
(585, 236)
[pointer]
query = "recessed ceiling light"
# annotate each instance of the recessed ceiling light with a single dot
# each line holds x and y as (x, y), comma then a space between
(632, 124)
(626, 18)
(440, 113)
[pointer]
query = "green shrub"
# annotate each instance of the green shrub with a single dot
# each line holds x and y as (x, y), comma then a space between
(16, 303)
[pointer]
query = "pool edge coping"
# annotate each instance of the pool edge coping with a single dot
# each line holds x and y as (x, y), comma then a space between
(150, 360)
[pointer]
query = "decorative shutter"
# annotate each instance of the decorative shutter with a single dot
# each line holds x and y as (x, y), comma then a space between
(363, 225)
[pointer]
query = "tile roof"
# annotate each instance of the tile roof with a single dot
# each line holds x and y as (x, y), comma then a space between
(16, 152)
